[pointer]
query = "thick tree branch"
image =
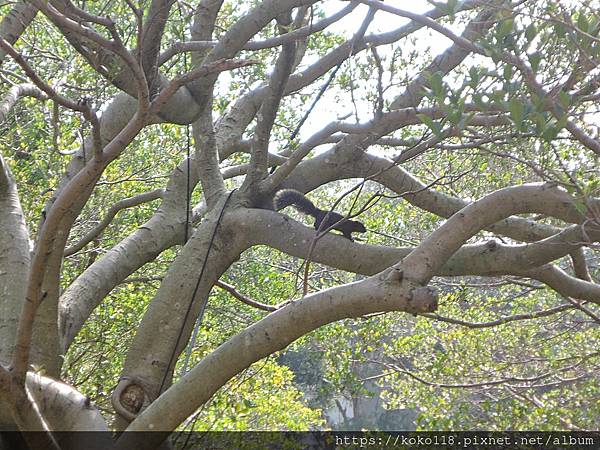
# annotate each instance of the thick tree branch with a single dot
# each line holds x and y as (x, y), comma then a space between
(491, 258)
(208, 158)
(268, 111)
(176, 83)
(437, 248)
(167, 325)
(14, 261)
(271, 334)
(16, 22)
(151, 37)
(563, 283)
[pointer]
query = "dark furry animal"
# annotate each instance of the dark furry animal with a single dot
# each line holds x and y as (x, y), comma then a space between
(291, 197)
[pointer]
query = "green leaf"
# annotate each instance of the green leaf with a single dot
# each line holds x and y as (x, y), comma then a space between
(515, 108)
(559, 30)
(550, 132)
(431, 124)
(426, 120)
(582, 22)
(498, 95)
(594, 21)
(539, 120)
(581, 207)
(505, 27)
(565, 100)
(534, 60)
(475, 77)
(454, 116)
(562, 121)
(437, 85)
(531, 32)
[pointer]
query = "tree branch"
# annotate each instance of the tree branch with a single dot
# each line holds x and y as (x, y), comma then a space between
(268, 111)
(272, 333)
(245, 299)
(437, 248)
(16, 22)
(16, 92)
(110, 215)
(502, 320)
(300, 33)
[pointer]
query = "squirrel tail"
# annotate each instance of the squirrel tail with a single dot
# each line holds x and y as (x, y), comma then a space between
(287, 197)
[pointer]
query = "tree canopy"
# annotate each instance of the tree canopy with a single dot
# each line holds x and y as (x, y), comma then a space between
(143, 264)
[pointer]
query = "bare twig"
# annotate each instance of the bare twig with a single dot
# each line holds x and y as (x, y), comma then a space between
(243, 298)
(111, 213)
(502, 320)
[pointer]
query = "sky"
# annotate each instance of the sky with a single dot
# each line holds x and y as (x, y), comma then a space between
(383, 21)
(328, 109)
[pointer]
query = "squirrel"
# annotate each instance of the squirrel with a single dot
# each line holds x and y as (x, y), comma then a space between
(292, 197)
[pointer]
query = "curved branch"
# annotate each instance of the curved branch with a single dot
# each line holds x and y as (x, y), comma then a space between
(15, 260)
(437, 248)
(151, 37)
(110, 215)
(208, 158)
(212, 68)
(15, 93)
(245, 299)
(263, 227)
(268, 111)
(273, 333)
(342, 163)
(563, 283)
